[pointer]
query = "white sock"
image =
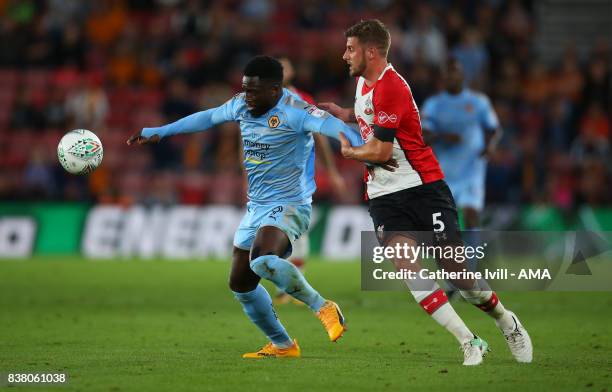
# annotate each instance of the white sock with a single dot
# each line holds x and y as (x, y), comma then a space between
(435, 302)
(488, 302)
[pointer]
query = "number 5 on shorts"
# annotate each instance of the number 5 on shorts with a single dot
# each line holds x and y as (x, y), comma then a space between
(437, 223)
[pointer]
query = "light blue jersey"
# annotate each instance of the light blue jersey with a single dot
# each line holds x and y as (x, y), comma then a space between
(278, 146)
(278, 158)
(470, 115)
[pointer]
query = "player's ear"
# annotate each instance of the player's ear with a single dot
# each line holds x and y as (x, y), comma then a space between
(276, 88)
(371, 52)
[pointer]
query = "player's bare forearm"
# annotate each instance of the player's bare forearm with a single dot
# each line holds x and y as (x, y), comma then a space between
(324, 151)
(446, 137)
(344, 114)
(137, 138)
(351, 115)
(492, 139)
(374, 151)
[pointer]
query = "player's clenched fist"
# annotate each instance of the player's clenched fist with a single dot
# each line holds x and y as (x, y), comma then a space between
(139, 139)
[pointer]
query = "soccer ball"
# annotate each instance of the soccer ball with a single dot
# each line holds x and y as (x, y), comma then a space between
(80, 151)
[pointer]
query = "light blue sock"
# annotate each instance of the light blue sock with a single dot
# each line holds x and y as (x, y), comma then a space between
(472, 238)
(257, 304)
(288, 278)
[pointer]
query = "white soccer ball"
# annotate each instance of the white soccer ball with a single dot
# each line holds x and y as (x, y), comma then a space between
(80, 151)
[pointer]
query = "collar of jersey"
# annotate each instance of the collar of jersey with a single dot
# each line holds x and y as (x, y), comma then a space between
(370, 88)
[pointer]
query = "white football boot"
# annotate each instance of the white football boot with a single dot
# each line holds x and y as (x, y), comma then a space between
(474, 351)
(518, 340)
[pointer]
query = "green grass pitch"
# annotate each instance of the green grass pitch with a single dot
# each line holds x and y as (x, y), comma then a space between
(175, 326)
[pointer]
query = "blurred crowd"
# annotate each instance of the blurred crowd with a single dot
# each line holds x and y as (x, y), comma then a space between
(116, 66)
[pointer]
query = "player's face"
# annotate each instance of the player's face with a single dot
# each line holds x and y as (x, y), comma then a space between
(260, 95)
(454, 77)
(354, 55)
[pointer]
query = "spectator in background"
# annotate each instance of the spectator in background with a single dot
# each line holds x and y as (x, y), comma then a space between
(177, 104)
(473, 56)
(189, 54)
(55, 109)
(595, 125)
(536, 86)
(424, 39)
(569, 81)
(106, 22)
(25, 115)
(87, 107)
(593, 141)
(598, 86)
(38, 175)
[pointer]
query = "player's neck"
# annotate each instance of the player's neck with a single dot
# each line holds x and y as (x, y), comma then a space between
(455, 91)
(374, 71)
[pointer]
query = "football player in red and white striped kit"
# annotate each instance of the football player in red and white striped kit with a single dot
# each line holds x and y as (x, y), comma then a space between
(414, 197)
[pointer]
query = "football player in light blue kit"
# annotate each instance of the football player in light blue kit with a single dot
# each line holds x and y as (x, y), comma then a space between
(276, 128)
(463, 129)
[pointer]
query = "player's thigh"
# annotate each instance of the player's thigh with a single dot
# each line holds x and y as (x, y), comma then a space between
(270, 240)
(279, 228)
(242, 278)
(245, 234)
(404, 260)
(437, 214)
(391, 218)
(300, 250)
(470, 194)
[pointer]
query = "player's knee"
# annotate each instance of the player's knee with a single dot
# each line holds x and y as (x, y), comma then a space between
(262, 266)
(243, 284)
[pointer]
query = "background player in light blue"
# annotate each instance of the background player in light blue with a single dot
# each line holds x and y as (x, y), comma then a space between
(276, 128)
(463, 129)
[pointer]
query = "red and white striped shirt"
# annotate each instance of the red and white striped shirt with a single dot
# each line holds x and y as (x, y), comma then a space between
(389, 104)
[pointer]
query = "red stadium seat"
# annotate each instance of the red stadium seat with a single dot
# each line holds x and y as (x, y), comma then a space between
(9, 78)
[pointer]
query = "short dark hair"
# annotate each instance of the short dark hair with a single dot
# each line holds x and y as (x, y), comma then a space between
(372, 32)
(266, 67)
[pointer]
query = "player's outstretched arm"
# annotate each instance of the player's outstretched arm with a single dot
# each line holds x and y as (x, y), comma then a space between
(344, 114)
(193, 123)
(378, 150)
(328, 125)
(199, 121)
(319, 121)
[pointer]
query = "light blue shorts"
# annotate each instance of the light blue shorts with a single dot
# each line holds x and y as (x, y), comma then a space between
(292, 219)
(469, 194)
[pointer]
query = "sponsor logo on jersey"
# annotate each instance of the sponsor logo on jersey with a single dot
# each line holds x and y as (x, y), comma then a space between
(368, 104)
(469, 108)
(384, 118)
(364, 129)
(273, 121)
(315, 111)
(256, 152)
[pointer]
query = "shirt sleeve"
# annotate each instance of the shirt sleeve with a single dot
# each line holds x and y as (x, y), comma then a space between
(487, 116)
(199, 121)
(390, 104)
(428, 116)
(320, 121)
